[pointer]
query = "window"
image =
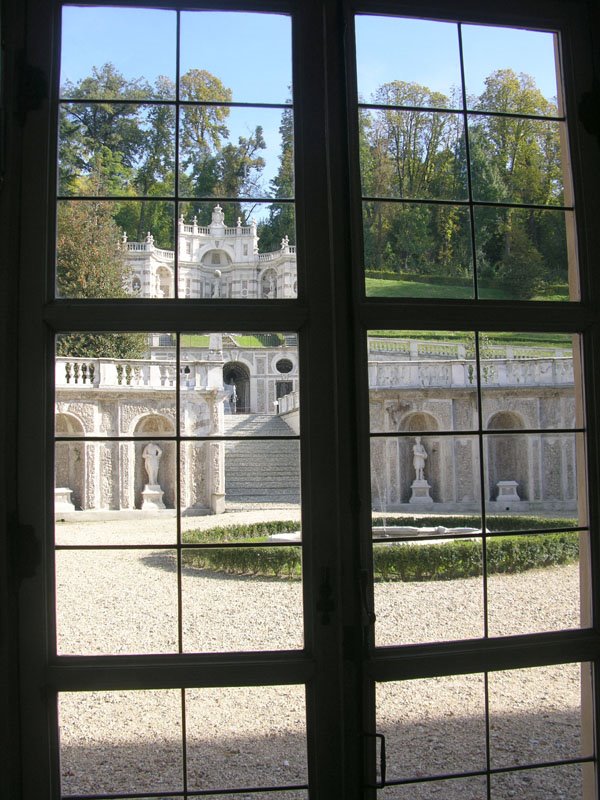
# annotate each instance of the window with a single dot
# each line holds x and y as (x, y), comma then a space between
(390, 371)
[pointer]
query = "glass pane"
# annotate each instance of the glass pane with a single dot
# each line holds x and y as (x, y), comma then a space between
(259, 45)
(219, 250)
(114, 249)
(240, 384)
(524, 254)
(530, 476)
(457, 789)
(554, 783)
(118, 53)
(249, 736)
(258, 591)
(426, 475)
(120, 742)
(510, 69)
(417, 250)
(115, 602)
(116, 149)
(433, 726)
(417, 57)
(422, 381)
(528, 381)
(428, 591)
(412, 154)
(533, 583)
(536, 715)
(234, 152)
(517, 160)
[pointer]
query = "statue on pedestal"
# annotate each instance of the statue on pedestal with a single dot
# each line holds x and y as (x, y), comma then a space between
(420, 487)
(151, 455)
(419, 458)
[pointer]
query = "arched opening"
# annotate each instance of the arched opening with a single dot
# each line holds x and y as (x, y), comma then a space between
(216, 258)
(420, 422)
(236, 376)
(268, 284)
(507, 455)
(69, 464)
(164, 282)
(151, 428)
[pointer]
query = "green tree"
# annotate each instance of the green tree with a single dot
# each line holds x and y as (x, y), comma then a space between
(88, 264)
(281, 221)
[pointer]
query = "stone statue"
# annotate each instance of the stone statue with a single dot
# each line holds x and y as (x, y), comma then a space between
(419, 458)
(216, 287)
(218, 217)
(152, 454)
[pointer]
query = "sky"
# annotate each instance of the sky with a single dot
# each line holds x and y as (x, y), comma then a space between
(251, 54)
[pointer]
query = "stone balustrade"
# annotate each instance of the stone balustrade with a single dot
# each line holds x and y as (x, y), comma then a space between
(169, 255)
(201, 373)
(289, 402)
(419, 349)
(461, 374)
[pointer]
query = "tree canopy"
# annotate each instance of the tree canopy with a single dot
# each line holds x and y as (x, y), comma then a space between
(416, 163)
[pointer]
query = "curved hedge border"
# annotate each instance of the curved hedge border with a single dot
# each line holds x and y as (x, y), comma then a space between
(410, 561)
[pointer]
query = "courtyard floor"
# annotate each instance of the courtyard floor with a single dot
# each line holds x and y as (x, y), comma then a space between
(126, 601)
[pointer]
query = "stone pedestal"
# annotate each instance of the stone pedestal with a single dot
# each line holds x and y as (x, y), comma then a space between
(62, 499)
(217, 503)
(152, 497)
(507, 492)
(420, 493)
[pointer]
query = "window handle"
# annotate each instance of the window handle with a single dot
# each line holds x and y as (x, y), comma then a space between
(382, 758)
(369, 615)
(325, 601)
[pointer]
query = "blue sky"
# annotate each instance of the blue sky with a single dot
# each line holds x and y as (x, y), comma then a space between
(251, 54)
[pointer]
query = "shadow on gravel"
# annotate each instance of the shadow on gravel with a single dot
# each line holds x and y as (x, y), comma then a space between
(109, 765)
(168, 563)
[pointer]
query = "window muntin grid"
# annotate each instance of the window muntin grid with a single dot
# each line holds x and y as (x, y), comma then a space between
(406, 132)
(497, 419)
(237, 152)
(463, 732)
(181, 401)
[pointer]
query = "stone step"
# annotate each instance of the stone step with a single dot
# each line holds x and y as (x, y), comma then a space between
(258, 472)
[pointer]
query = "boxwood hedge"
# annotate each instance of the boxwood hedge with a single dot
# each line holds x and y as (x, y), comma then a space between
(394, 561)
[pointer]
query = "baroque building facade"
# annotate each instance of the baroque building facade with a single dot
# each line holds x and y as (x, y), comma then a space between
(415, 388)
(213, 261)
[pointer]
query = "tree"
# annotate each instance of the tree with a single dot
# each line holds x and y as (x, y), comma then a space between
(88, 264)
(103, 140)
(281, 221)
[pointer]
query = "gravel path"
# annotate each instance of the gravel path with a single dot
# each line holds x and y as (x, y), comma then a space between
(126, 602)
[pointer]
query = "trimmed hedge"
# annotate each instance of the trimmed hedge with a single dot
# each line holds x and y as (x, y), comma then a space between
(450, 560)
(395, 561)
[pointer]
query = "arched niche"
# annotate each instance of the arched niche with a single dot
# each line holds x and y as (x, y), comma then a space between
(507, 457)
(150, 428)
(268, 284)
(69, 458)
(164, 282)
(237, 374)
(216, 258)
(421, 422)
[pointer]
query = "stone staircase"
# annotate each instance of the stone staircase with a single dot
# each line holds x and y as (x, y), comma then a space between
(264, 472)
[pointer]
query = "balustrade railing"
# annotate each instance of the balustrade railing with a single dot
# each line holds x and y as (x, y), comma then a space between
(289, 402)
(463, 374)
(418, 349)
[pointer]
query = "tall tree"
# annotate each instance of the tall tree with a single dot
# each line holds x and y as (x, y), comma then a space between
(88, 264)
(281, 220)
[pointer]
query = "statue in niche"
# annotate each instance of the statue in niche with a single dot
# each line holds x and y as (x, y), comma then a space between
(152, 455)
(216, 287)
(419, 458)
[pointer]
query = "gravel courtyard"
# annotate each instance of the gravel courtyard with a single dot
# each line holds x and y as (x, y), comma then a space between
(125, 601)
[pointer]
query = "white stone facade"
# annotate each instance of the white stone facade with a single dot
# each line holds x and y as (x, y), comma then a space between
(214, 261)
(414, 392)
